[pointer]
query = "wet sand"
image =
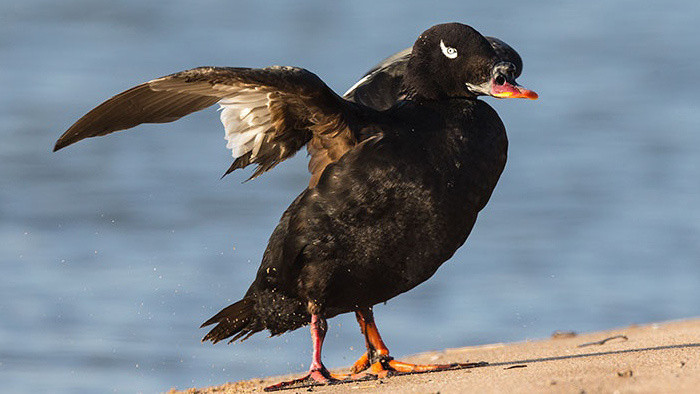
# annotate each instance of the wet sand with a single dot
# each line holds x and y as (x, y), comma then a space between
(653, 358)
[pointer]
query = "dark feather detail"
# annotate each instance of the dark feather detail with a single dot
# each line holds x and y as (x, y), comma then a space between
(237, 320)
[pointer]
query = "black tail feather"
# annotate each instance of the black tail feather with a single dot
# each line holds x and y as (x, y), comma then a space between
(236, 320)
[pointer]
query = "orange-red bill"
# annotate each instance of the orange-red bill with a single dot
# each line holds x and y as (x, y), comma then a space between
(512, 91)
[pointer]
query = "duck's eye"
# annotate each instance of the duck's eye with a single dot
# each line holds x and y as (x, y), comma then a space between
(500, 80)
(449, 52)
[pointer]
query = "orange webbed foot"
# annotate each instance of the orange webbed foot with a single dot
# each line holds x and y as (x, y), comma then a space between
(387, 366)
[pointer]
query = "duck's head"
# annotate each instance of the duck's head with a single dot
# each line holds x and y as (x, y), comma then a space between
(454, 60)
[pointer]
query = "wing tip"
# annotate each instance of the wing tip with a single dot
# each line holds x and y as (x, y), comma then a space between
(60, 144)
(68, 138)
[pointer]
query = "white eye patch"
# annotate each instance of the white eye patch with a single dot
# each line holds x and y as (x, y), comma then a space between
(449, 52)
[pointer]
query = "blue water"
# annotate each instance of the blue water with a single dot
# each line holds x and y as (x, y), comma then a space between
(113, 251)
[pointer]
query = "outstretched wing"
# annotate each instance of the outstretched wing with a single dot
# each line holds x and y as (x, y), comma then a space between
(382, 86)
(268, 114)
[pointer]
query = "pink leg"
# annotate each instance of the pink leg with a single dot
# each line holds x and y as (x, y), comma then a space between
(317, 372)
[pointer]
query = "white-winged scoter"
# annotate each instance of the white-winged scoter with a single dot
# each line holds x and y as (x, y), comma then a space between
(400, 171)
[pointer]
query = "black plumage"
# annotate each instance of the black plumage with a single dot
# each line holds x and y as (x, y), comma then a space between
(400, 170)
(382, 86)
(380, 222)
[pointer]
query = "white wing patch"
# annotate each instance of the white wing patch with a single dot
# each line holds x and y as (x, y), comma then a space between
(246, 119)
(449, 52)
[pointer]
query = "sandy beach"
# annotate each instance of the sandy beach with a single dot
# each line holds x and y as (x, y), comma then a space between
(652, 358)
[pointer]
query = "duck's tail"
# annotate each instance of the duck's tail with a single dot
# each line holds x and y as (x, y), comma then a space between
(238, 320)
